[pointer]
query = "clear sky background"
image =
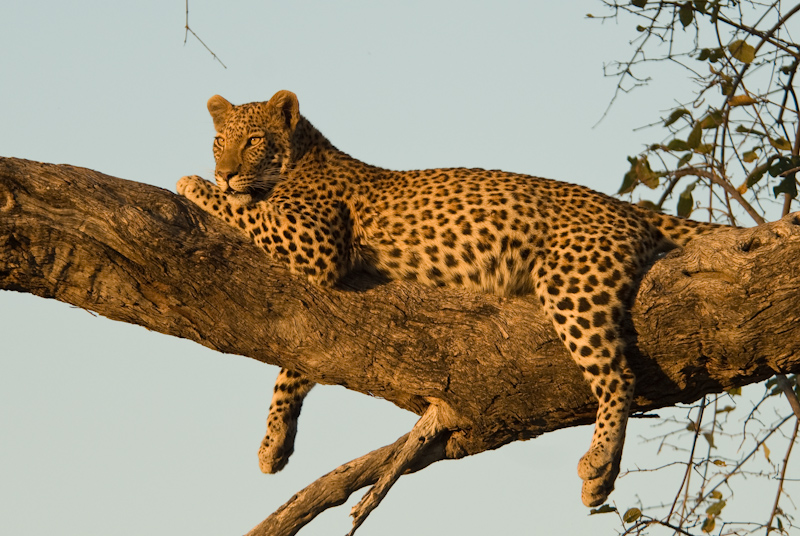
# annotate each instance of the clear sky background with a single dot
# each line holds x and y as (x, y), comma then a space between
(109, 429)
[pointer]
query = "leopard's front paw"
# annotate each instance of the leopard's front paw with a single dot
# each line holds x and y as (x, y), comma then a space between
(598, 469)
(188, 184)
(595, 462)
(275, 450)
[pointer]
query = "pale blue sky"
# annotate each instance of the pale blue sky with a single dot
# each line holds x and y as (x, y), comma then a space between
(109, 429)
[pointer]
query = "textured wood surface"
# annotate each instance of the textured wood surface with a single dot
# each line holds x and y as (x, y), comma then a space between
(722, 312)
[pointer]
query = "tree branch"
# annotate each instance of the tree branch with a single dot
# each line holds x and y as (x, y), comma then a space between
(721, 313)
(334, 488)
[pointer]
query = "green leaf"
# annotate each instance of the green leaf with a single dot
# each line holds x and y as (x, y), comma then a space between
(780, 166)
(700, 5)
(686, 14)
(675, 115)
(695, 136)
(751, 155)
(713, 119)
(711, 54)
(719, 463)
(708, 525)
(640, 172)
(628, 183)
(716, 494)
(726, 409)
(742, 51)
(638, 3)
(685, 205)
(605, 509)
(710, 438)
(632, 515)
(684, 160)
(780, 144)
(741, 100)
(787, 186)
(704, 148)
(735, 391)
(725, 87)
(629, 180)
(677, 145)
(686, 201)
(741, 129)
(716, 508)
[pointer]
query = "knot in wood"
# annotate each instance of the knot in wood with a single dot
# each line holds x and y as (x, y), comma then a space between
(7, 201)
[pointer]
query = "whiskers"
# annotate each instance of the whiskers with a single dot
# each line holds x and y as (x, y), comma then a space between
(265, 181)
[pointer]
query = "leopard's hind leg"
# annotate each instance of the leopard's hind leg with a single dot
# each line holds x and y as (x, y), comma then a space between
(586, 301)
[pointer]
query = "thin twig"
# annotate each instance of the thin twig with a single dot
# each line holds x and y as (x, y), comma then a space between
(783, 474)
(741, 462)
(765, 39)
(189, 30)
(690, 462)
(639, 526)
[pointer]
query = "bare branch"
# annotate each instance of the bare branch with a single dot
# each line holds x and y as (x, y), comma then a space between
(728, 187)
(785, 464)
(188, 30)
(334, 488)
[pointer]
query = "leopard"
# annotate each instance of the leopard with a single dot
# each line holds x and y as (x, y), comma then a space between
(325, 214)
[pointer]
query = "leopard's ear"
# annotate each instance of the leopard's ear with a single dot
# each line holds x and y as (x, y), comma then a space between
(286, 103)
(219, 109)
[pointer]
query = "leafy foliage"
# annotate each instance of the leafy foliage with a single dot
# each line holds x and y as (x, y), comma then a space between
(729, 149)
(742, 117)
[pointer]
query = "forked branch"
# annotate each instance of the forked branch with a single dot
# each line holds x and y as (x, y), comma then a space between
(334, 488)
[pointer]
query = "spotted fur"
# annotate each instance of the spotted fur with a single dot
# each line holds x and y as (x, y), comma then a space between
(324, 213)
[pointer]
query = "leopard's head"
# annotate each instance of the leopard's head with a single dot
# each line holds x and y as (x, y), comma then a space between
(252, 147)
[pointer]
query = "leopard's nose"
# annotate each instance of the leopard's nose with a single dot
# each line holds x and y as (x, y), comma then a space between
(224, 178)
(227, 174)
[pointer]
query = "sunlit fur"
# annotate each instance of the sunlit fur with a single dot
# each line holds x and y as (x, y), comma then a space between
(322, 212)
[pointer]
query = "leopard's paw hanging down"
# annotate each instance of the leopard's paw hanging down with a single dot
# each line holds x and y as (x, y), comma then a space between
(324, 213)
(598, 469)
(277, 446)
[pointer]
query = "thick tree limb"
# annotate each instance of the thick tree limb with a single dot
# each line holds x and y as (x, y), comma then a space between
(721, 313)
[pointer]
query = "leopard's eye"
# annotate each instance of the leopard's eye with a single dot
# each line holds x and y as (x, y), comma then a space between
(219, 141)
(252, 141)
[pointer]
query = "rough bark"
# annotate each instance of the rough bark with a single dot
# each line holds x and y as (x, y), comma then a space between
(723, 312)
